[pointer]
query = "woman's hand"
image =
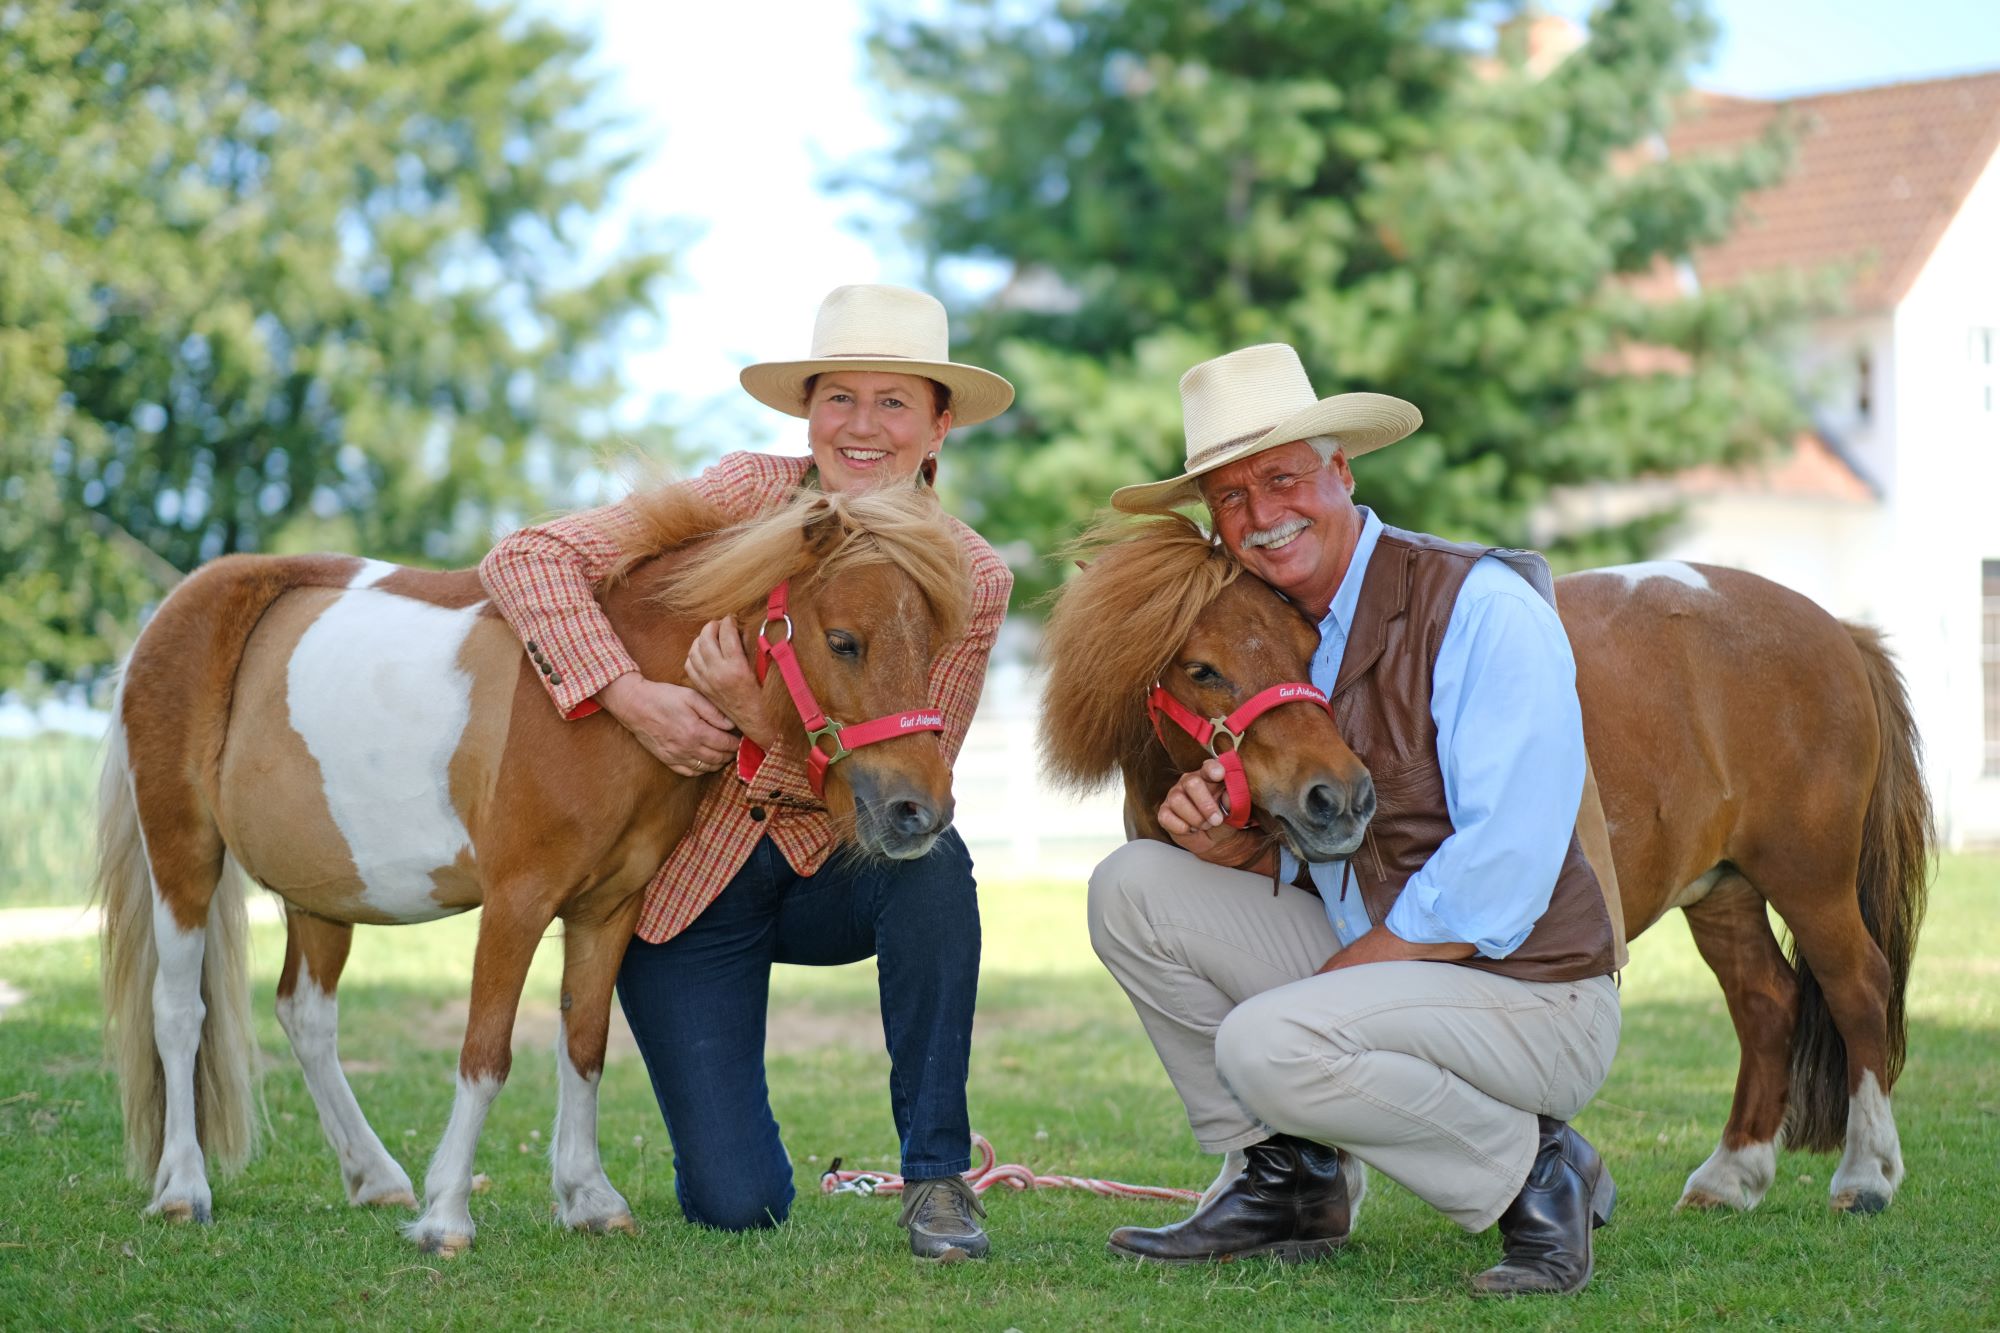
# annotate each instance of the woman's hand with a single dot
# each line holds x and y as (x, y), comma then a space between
(1192, 815)
(717, 666)
(677, 726)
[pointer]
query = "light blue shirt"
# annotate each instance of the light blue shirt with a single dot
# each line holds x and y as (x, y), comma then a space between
(1510, 746)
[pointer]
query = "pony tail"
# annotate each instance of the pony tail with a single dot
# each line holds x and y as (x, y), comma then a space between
(129, 960)
(1898, 838)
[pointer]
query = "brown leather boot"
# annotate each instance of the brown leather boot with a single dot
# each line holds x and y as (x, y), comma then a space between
(1290, 1203)
(1545, 1232)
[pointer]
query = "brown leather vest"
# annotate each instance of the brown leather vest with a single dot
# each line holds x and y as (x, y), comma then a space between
(1382, 699)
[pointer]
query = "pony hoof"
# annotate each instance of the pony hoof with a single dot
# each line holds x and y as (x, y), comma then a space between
(446, 1247)
(1701, 1201)
(396, 1199)
(622, 1224)
(182, 1210)
(1860, 1203)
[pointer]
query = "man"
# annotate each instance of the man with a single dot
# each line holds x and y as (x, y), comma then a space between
(1440, 1004)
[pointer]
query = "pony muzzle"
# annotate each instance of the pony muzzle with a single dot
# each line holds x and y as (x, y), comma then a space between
(895, 817)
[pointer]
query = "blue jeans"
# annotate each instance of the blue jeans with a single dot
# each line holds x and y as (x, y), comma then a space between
(697, 1006)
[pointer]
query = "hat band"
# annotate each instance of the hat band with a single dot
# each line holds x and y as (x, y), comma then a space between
(865, 356)
(1195, 460)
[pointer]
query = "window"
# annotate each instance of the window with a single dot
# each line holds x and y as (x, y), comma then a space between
(1989, 643)
(1984, 347)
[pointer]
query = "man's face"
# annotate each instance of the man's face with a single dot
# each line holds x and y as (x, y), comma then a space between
(1288, 519)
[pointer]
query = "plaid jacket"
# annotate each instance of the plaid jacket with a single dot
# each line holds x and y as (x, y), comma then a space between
(543, 580)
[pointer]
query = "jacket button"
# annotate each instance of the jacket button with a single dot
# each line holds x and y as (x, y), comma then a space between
(532, 649)
(547, 670)
(757, 813)
(555, 677)
(776, 794)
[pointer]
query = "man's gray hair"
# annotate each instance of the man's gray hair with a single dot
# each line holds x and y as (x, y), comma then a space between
(1326, 446)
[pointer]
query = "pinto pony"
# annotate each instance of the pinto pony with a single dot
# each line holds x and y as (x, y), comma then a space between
(1749, 749)
(371, 744)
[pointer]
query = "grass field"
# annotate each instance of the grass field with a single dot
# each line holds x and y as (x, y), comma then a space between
(1065, 1082)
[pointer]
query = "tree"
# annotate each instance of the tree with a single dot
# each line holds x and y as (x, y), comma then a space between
(1170, 179)
(286, 274)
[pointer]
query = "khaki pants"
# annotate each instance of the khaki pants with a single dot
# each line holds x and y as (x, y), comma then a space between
(1431, 1073)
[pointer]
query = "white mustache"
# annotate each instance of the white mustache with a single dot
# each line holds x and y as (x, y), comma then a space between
(1279, 535)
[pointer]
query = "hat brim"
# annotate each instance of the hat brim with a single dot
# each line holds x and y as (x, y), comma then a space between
(976, 395)
(1361, 422)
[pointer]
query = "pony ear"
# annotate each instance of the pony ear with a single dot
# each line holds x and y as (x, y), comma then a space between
(822, 528)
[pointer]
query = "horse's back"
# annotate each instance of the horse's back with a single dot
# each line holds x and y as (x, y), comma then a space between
(1713, 699)
(370, 711)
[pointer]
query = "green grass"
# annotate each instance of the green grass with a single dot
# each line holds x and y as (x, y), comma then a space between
(1064, 1082)
(48, 814)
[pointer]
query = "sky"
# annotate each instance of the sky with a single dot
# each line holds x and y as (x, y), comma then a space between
(746, 108)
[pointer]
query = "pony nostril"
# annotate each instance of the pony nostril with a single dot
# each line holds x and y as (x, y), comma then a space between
(1322, 806)
(1363, 804)
(911, 818)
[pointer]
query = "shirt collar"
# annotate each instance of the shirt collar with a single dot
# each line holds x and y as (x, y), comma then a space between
(1340, 616)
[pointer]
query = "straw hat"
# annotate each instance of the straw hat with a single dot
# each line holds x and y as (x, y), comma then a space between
(1257, 399)
(892, 329)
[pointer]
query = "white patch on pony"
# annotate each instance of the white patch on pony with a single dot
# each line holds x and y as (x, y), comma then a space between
(371, 573)
(1732, 1178)
(1677, 571)
(1699, 889)
(180, 1185)
(585, 1198)
(446, 1225)
(1872, 1165)
(311, 1018)
(375, 690)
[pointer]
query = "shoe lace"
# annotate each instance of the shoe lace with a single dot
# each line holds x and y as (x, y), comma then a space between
(942, 1205)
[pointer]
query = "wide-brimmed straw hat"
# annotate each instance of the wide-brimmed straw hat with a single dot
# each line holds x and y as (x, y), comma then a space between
(873, 327)
(1257, 399)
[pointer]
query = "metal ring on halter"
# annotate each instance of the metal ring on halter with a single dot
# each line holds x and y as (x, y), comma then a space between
(1222, 729)
(764, 631)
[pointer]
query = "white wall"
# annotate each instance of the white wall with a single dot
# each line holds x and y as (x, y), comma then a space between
(1945, 508)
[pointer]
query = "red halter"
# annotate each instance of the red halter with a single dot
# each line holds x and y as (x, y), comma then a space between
(1209, 731)
(846, 739)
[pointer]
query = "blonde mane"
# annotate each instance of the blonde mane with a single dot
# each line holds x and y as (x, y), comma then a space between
(1113, 628)
(814, 534)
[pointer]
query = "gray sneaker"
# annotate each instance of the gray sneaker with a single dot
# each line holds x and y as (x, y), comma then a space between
(943, 1218)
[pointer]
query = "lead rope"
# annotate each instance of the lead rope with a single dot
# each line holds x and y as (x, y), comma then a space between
(991, 1172)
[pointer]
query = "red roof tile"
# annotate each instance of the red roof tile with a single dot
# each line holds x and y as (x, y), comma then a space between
(1879, 173)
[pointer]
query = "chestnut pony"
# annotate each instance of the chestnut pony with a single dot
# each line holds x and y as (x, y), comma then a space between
(1749, 749)
(371, 744)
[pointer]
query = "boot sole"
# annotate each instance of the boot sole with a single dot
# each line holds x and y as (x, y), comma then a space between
(1284, 1252)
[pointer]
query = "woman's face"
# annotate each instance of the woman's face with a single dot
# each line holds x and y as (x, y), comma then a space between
(867, 426)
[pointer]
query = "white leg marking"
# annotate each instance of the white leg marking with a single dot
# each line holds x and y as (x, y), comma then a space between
(180, 1186)
(371, 573)
(585, 1198)
(1872, 1166)
(1732, 1178)
(375, 690)
(311, 1018)
(1634, 575)
(1698, 889)
(1233, 1163)
(446, 1226)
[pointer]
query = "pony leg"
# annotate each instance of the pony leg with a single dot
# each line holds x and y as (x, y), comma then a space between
(180, 1183)
(315, 953)
(592, 950)
(1733, 933)
(1854, 977)
(510, 927)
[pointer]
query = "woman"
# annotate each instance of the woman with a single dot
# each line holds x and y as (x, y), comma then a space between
(750, 885)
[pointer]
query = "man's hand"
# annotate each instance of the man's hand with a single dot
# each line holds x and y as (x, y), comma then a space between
(677, 726)
(717, 666)
(1192, 815)
(1380, 946)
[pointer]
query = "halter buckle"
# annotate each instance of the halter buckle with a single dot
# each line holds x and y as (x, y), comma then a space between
(1220, 728)
(830, 731)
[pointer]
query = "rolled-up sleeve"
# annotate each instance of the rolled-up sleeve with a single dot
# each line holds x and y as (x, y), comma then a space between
(1510, 746)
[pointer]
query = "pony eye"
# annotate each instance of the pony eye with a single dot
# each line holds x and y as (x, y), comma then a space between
(1201, 673)
(842, 644)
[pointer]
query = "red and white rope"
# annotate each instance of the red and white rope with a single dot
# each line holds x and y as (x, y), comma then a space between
(991, 1172)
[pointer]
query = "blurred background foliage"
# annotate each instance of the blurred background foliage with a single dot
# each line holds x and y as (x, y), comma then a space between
(1165, 180)
(282, 275)
(287, 275)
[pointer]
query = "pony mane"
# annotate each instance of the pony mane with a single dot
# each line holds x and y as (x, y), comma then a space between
(1112, 629)
(812, 534)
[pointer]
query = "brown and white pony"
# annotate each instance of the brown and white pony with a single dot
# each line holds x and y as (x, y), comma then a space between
(371, 744)
(1749, 749)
